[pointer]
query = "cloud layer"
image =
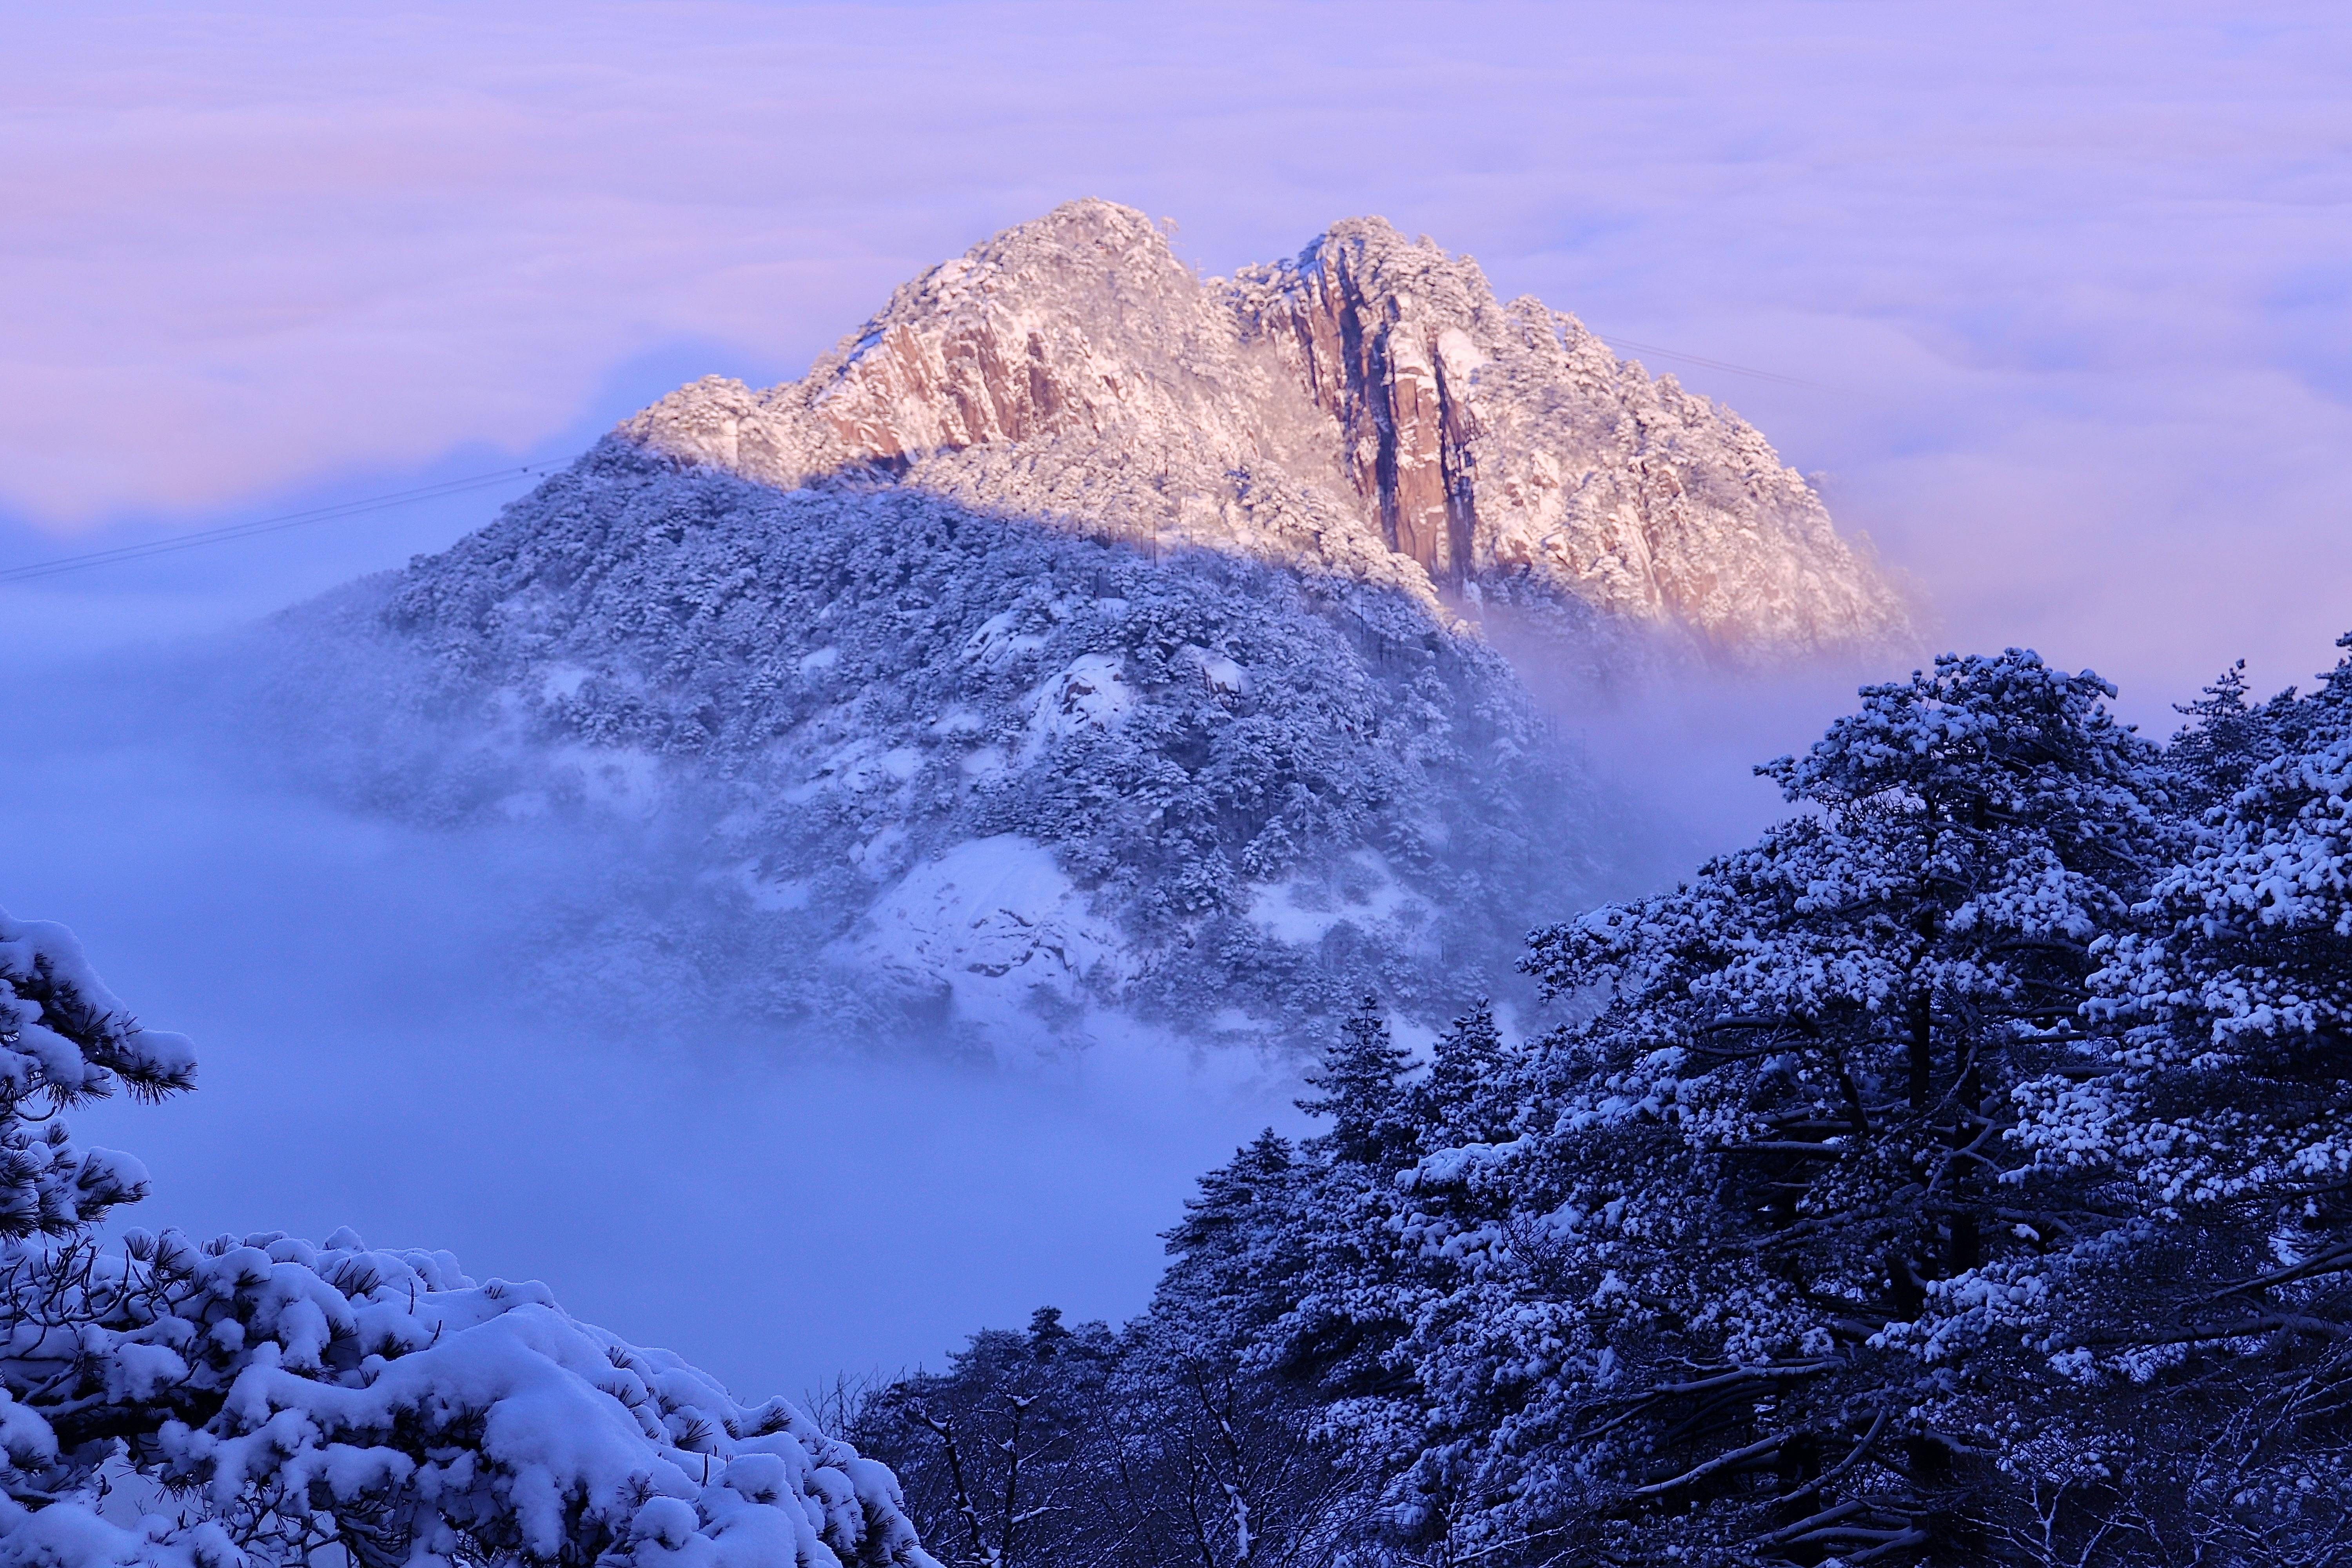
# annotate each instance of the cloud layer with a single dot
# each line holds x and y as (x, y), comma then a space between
(2071, 283)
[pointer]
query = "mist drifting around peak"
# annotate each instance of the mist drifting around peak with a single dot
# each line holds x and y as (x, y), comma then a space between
(385, 1044)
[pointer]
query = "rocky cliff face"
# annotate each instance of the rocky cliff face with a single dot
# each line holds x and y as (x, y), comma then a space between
(1368, 408)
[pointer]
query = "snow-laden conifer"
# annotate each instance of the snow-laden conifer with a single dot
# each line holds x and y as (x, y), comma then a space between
(1665, 1297)
(2194, 1319)
(65, 1039)
(259, 1401)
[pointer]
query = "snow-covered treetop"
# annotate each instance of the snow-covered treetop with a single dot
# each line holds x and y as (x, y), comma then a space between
(1985, 741)
(64, 1038)
(66, 1035)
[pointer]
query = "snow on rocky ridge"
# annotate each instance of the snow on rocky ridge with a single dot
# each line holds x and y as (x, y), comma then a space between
(1368, 407)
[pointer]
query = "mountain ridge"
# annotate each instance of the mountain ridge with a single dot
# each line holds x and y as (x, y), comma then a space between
(1367, 407)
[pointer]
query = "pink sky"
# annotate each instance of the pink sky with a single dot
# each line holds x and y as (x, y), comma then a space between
(2072, 280)
(2069, 283)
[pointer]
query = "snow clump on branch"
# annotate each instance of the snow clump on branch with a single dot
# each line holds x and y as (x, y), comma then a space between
(251, 1402)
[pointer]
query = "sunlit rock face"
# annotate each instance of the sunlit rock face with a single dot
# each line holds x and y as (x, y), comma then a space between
(1367, 408)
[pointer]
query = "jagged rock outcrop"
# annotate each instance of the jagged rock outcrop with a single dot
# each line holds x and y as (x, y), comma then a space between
(1367, 408)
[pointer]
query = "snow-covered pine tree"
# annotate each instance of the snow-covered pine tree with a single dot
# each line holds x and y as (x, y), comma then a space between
(2183, 1344)
(1662, 1320)
(65, 1040)
(1457, 1102)
(255, 1403)
(1360, 1091)
(2228, 737)
(1231, 1270)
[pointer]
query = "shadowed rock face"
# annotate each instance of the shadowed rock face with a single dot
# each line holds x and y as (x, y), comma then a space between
(1367, 408)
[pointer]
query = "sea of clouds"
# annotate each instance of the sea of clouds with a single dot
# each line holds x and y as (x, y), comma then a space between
(2053, 300)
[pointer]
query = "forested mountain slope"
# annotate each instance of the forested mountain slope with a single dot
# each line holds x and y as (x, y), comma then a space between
(940, 770)
(1083, 638)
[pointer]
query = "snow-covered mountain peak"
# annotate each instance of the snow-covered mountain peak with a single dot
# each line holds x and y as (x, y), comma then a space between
(1084, 644)
(1079, 322)
(1367, 408)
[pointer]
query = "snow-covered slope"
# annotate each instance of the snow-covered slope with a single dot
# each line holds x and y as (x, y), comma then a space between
(1368, 407)
(920, 766)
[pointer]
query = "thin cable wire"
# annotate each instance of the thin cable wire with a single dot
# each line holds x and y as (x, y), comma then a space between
(235, 530)
(1614, 341)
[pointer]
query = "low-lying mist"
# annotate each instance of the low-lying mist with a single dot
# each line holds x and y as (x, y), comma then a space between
(1672, 733)
(377, 1052)
(392, 1039)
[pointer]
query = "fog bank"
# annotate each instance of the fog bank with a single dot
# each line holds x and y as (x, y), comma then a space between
(373, 1055)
